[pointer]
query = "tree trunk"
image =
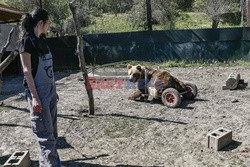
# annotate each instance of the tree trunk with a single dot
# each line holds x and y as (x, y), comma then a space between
(81, 58)
(215, 22)
(115, 7)
(149, 15)
(243, 12)
(120, 6)
(41, 4)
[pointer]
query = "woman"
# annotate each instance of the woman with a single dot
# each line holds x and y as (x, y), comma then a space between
(39, 81)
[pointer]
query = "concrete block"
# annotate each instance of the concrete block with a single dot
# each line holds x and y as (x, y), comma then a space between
(219, 138)
(18, 159)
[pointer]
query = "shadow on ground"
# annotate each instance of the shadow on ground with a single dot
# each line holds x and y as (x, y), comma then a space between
(62, 143)
(3, 159)
(141, 118)
(19, 88)
(71, 117)
(14, 125)
(184, 102)
(74, 162)
(233, 145)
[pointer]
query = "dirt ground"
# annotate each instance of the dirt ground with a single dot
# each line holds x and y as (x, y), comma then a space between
(133, 133)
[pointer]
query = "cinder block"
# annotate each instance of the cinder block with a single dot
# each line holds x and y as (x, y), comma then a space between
(219, 138)
(18, 159)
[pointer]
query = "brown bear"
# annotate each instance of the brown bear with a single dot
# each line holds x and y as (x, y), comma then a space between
(159, 79)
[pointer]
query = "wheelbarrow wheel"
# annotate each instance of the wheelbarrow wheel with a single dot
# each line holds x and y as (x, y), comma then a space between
(192, 91)
(171, 98)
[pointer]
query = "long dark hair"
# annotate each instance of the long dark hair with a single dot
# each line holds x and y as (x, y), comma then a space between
(30, 20)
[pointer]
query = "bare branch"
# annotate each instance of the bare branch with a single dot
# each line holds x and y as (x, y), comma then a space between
(8, 60)
(215, 8)
(76, 24)
(7, 44)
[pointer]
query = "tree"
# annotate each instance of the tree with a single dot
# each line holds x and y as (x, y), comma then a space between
(215, 8)
(185, 5)
(111, 6)
(138, 14)
(165, 11)
(58, 10)
(243, 12)
(80, 47)
(23, 5)
(149, 14)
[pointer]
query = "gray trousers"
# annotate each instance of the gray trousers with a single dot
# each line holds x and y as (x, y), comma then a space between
(44, 124)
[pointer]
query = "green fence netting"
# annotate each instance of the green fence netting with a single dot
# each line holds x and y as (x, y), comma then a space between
(189, 45)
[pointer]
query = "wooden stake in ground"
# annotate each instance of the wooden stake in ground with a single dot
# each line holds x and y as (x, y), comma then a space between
(81, 57)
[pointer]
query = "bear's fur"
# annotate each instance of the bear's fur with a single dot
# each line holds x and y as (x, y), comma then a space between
(159, 79)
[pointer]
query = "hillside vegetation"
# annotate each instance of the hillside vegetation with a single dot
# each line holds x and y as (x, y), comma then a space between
(109, 23)
(108, 16)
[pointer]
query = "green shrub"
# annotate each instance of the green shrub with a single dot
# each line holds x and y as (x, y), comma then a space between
(231, 18)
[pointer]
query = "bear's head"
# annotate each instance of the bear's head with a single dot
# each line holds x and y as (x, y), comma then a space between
(134, 72)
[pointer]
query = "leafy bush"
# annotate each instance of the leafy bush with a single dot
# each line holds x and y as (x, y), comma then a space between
(231, 18)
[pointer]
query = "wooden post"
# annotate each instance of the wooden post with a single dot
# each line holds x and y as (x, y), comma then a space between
(81, 58)
(149, 15)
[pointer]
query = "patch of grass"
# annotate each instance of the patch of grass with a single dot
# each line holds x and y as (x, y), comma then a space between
(124, 127)
(195, 20)
(181, 64)
(94, 121)
(109, 23)
(184, 64)
(158, 134)
(118, 127)
(190, 20)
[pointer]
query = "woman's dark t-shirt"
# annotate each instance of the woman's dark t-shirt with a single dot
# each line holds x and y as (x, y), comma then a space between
(35, 47)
